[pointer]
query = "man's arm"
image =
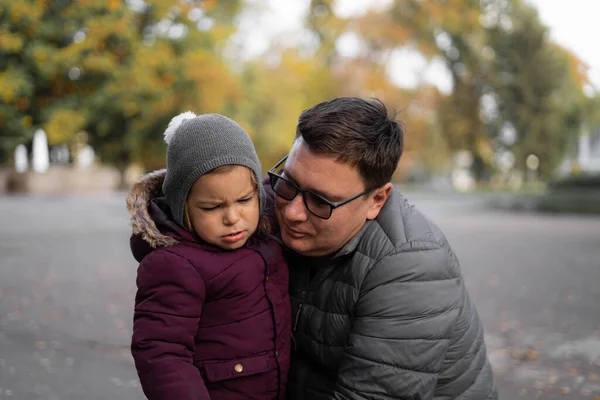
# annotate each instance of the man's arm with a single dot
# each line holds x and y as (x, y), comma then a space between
(407, 307)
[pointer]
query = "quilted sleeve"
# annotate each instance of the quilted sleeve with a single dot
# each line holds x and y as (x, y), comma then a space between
(168, 306)
(408, 304)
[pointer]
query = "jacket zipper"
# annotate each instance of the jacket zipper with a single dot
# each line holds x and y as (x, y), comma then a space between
(297, 317)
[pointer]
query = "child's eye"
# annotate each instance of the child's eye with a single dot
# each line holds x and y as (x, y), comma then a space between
(209, 208)
(246, 200)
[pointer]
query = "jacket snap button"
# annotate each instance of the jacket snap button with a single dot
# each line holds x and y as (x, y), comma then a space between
(238, 368)
(267, 278)
(277, 354)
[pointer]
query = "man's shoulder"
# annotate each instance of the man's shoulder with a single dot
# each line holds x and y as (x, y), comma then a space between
(399, 226)
(406, 244)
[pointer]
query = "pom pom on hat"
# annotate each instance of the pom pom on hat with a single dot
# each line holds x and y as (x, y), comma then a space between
(175, 123)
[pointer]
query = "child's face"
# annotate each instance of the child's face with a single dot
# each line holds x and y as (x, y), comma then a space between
(223, 207)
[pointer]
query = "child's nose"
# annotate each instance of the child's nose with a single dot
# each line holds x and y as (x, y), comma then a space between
(232, 216)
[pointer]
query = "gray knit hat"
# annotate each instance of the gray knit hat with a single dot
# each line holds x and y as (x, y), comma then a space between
(197, 145)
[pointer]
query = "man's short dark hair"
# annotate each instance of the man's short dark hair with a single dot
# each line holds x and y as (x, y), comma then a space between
(358, 132)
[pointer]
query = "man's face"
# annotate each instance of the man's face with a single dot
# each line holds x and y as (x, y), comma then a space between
(308, 234)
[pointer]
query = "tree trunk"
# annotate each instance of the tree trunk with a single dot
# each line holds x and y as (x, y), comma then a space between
(122, 165)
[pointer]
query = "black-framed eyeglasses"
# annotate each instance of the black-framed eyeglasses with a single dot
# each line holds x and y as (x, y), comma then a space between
(316, 204)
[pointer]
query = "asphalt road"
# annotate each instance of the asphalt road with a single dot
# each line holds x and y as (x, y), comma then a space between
(67, 282)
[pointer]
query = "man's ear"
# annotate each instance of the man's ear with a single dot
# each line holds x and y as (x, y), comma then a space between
(378, 199)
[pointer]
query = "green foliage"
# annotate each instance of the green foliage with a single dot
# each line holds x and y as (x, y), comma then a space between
(498, 49)
(576, 183)
(120, 70)
(536, 92)
(117, 71)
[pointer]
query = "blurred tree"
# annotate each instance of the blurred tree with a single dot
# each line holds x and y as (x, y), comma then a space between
(425, 147)
(173, 63)
(364, 74)
(20, 81)
(507, 75)
(447, 30)
(274, 95)
(327, 27)
(277, 86)
(118, 69)
(538, 88)
(451, 30)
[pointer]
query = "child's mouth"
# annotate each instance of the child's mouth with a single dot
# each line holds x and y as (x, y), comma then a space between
(234, 237)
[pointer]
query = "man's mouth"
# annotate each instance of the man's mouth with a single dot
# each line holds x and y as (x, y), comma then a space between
(294, 233)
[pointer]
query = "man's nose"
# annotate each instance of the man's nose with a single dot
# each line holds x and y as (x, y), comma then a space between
(295, 210)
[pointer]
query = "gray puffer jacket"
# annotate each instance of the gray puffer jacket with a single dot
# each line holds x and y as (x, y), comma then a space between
(388, 317)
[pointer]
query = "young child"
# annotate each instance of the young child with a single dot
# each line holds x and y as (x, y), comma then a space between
(212, 316)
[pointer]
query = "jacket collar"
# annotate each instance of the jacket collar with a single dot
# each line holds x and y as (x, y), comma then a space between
(152, 223)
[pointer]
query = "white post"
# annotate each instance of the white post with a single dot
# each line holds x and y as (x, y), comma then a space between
(21, 161)
(533, 163)
(583, 157)
(85, 158)
(41, 157)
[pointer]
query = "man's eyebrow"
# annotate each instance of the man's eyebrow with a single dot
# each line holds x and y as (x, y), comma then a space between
(326, 196)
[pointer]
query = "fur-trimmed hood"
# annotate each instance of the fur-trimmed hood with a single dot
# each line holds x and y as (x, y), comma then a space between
(151, 222)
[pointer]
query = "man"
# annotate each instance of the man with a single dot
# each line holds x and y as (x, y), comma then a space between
(380, 310)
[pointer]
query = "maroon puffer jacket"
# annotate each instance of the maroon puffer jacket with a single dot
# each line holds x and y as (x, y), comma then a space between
(208, 323)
